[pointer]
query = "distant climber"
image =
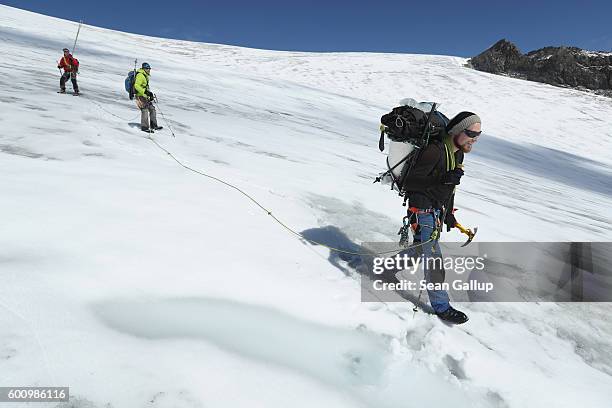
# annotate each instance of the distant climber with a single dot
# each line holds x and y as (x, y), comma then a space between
(70, 65)
(144, 100)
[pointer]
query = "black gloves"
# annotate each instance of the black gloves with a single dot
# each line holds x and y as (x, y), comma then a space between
(452, 177)
(149, 94)
(450, 221)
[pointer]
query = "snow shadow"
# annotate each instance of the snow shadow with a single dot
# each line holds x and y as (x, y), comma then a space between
(354, 220)
(353, 259)
(20, 151)
(336, 356)
(556, 165)
(332, 236)
(357, 362)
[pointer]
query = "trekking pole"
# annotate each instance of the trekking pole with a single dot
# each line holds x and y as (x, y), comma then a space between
(163, 116)
(415, 309)
(77, 37)
(427, 129)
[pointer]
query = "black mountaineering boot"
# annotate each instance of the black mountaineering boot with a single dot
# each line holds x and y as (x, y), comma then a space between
(146, 129)
(453, 316)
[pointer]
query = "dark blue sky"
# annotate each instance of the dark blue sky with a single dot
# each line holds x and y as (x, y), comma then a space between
(430, 27)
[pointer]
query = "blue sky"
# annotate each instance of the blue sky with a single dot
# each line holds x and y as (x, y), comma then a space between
(427, 27)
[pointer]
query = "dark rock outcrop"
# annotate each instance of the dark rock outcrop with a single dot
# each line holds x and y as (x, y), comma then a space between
(562, 66)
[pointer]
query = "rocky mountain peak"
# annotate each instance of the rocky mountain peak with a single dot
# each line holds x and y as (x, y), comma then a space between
(562, 66)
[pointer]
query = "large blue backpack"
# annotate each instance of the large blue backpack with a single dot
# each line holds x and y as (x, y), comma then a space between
(129, 83)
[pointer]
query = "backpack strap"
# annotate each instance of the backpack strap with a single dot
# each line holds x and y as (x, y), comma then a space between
(449, 154)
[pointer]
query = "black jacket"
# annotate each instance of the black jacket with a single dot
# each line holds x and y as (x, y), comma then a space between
(422, 185)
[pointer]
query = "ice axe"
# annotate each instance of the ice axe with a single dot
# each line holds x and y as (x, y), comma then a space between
(467, 232)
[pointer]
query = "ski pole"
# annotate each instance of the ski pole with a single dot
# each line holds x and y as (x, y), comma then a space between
(77, 37)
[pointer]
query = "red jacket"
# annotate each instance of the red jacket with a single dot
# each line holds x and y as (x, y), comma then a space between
(69, 64)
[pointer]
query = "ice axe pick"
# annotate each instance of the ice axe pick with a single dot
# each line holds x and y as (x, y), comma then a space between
(467, 232)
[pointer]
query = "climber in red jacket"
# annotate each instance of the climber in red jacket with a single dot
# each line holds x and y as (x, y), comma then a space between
(70, 65)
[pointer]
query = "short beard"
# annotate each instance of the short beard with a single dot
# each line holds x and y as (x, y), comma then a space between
(465, 148)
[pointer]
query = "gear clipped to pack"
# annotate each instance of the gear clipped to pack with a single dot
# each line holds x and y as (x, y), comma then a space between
(435, 234)
(404, 233)
(130, 80)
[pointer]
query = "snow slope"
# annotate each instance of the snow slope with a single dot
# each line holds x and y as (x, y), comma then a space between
(139, 283)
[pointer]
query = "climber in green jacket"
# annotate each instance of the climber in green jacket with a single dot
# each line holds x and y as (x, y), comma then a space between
(144, 100)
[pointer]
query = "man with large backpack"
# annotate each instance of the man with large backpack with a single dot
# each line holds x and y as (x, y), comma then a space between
(144, 99)
(430, 190)
(70, 65)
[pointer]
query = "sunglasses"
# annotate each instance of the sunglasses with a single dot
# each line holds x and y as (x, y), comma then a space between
(471, 133)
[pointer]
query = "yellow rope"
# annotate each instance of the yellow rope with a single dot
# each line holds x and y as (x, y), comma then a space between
(281, 223)
(254, 201)
(285, 226)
